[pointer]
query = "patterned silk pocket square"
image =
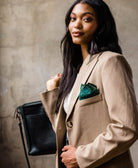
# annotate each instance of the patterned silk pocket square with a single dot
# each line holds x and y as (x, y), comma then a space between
(87, 91)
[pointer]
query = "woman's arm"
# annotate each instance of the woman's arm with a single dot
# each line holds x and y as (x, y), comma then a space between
(122, 108)
(50, 97)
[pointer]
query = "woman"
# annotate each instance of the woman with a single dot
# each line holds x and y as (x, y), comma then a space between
(92, 105)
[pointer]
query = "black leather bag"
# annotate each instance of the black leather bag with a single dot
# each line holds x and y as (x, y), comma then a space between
(39, 135)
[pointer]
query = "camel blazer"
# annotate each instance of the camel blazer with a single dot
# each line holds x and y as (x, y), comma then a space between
(103, 127)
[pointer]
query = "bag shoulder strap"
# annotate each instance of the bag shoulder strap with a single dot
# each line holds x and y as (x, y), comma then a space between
(17, 115)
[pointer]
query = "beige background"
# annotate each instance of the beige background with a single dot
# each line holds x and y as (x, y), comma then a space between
(30, 34)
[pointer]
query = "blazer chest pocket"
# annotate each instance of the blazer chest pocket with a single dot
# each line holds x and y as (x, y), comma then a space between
(90, 100)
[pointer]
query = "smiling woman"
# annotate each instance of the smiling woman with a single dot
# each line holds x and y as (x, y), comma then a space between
(83, 24)
(92, 105)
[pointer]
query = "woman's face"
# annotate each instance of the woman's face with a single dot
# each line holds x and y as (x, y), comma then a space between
(83, 24)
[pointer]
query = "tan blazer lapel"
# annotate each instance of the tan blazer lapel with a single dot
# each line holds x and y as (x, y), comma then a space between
(86, 69)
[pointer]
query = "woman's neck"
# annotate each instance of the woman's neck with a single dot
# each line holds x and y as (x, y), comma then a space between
(84, 51)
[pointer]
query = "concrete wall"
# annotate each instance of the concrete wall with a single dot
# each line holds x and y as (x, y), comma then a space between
(30, 33)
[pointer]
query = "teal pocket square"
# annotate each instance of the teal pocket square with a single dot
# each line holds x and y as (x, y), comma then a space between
(87, 91)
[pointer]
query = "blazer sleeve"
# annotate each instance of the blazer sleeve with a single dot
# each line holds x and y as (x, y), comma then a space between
(49, 101)
(122, 108)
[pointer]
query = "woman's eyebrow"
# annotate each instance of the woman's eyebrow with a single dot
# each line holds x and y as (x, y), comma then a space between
(84, 13)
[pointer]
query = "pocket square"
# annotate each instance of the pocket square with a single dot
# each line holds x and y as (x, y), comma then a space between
(87, 91)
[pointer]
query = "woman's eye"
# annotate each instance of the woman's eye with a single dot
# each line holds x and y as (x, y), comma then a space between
(87, 19)
(72, 19)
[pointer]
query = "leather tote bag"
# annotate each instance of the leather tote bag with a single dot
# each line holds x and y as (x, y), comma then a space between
(39, 135)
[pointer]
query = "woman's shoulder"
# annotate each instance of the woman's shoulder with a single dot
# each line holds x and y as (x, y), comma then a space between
(110, 59)
(106, 55)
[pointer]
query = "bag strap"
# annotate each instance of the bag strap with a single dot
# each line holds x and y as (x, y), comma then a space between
(17, 115)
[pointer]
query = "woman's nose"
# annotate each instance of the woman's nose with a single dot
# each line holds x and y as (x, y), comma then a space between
(78, 24)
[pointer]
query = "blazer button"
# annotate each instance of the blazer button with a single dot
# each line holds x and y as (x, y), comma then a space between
(69, 124)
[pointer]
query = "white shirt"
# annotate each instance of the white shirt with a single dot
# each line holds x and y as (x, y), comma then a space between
(66, 101)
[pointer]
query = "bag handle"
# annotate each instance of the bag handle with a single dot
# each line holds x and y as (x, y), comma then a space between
(17, 115)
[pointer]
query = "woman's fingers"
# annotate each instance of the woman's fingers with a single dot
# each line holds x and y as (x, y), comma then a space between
(53, 82)
(57, 76)
(68, 156)
(65, 148)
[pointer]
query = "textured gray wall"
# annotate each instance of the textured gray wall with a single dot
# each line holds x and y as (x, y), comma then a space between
(30, 33)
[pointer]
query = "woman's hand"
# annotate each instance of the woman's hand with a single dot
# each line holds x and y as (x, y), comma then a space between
(53, 82)
(69, 156)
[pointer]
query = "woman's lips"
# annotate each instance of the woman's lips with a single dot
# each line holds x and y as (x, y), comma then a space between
(77, 34)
